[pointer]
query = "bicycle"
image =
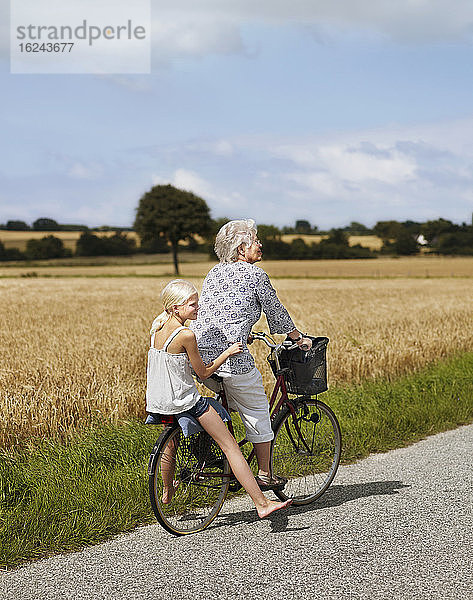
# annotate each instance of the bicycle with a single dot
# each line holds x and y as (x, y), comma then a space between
(305, 450)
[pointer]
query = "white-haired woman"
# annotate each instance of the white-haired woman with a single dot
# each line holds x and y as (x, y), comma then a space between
(234, 294)
(171, 390)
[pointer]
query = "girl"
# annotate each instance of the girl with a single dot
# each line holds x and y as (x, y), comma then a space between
(171, 389)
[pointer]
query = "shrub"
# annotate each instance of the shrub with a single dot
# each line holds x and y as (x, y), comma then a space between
(90, 244)
(47, 247)
(7, 254)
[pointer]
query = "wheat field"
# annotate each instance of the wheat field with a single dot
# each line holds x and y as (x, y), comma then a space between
(73, 351)
(194, 266)
(19, 239)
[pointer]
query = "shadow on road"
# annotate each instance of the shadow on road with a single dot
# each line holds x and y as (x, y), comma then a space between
(334, 496)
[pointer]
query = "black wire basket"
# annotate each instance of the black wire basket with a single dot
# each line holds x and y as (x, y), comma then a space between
(306, 371)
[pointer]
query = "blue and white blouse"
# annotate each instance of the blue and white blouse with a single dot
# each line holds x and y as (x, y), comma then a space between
(232, 299)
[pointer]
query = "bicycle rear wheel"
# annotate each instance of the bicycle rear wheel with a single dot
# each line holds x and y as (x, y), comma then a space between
(306, 450)
(194, 467)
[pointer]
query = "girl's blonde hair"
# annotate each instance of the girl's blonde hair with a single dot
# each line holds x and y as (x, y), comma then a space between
(231, 236)
(177, 291)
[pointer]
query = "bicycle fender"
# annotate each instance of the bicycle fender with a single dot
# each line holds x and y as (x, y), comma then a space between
(153, 460)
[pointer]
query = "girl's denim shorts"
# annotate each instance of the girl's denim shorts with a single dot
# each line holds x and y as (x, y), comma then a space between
(199, 408)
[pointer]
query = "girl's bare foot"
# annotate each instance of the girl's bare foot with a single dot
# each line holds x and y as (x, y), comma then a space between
(272, 507)
(168, 492)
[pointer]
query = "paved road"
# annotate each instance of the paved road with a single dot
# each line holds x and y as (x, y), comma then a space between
(396, 525)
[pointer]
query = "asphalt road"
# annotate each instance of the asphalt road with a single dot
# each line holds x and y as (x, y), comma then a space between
(396, 525)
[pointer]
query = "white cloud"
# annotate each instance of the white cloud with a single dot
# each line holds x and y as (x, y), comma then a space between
(418, 172)
(211, 26)
(415, 173)
(196, 33)
(191, 181)
(353, 165)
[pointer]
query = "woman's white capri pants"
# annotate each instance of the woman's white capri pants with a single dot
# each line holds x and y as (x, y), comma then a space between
(245, 393)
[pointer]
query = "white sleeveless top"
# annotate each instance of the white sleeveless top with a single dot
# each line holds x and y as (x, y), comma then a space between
(170, 388)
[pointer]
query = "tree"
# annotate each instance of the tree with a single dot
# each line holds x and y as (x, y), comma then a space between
(89, 245)
(303, 226)
(44, 224)
(268, 232)
(356, 228)
(47, 247)
(171, 214)
(118, 244)
(457, 242)
(338, 237)
(387, 230)
(10, 253)
(17, 226)
(298, 249)
(433, 229)
(405, 244)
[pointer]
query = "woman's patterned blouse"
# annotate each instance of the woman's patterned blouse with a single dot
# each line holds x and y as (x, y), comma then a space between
(233, 296)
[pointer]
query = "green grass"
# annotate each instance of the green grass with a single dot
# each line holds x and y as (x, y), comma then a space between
(60, 496)
(378, 416)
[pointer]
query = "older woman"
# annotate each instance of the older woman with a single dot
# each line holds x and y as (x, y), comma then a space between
(234, 294)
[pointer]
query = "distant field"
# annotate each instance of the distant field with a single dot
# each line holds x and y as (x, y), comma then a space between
(73, 351)
(369, 241)
(196, 265)
(18, 239)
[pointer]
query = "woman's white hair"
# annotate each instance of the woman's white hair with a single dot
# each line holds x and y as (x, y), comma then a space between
(231, 236)
(177, 291)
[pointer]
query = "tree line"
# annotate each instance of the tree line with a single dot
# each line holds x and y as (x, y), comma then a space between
(167, 216)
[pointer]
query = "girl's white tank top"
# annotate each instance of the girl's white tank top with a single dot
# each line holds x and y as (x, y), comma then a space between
(170, 388)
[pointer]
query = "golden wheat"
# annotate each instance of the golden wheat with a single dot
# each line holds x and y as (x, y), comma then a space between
(73, 351)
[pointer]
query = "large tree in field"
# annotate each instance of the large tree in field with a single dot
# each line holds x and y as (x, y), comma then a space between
(168, 213)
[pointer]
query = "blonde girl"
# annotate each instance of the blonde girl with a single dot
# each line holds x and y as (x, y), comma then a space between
(171, 388)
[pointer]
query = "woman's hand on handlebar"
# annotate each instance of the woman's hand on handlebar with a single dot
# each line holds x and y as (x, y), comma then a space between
(305, 343)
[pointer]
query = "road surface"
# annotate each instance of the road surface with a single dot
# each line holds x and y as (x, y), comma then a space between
(393, 526)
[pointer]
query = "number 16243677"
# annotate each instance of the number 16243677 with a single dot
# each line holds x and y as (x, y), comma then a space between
(46, 47)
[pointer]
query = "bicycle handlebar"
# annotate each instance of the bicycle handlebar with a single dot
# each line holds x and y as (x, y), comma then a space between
(264, 337)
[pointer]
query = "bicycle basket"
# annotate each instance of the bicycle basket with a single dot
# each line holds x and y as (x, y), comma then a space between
(306, 371)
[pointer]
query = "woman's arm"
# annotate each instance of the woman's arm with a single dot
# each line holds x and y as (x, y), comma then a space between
(279, 320)
(202, 370)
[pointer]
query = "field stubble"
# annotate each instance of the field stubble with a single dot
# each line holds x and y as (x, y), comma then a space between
(73, 352)
(195, 265)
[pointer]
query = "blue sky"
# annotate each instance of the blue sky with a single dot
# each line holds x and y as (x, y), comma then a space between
(327, 111)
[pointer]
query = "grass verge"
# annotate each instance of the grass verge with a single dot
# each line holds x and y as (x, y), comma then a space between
(57, 497)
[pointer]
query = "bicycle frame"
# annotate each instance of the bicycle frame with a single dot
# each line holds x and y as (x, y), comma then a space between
(274, 407)
(305, 453)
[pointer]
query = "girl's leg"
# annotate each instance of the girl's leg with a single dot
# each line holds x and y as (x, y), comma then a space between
(168, 468)
(213, 424)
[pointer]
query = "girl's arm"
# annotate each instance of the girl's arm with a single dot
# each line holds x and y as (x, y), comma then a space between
(202, 370)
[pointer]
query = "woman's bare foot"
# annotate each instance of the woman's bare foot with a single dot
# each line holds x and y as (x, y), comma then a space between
(168, 492)
(272, 507)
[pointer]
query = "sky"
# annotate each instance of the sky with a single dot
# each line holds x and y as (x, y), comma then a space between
(330, 111)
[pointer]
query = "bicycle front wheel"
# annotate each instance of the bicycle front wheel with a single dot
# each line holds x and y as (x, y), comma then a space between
(188, 481)
(306, 449)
